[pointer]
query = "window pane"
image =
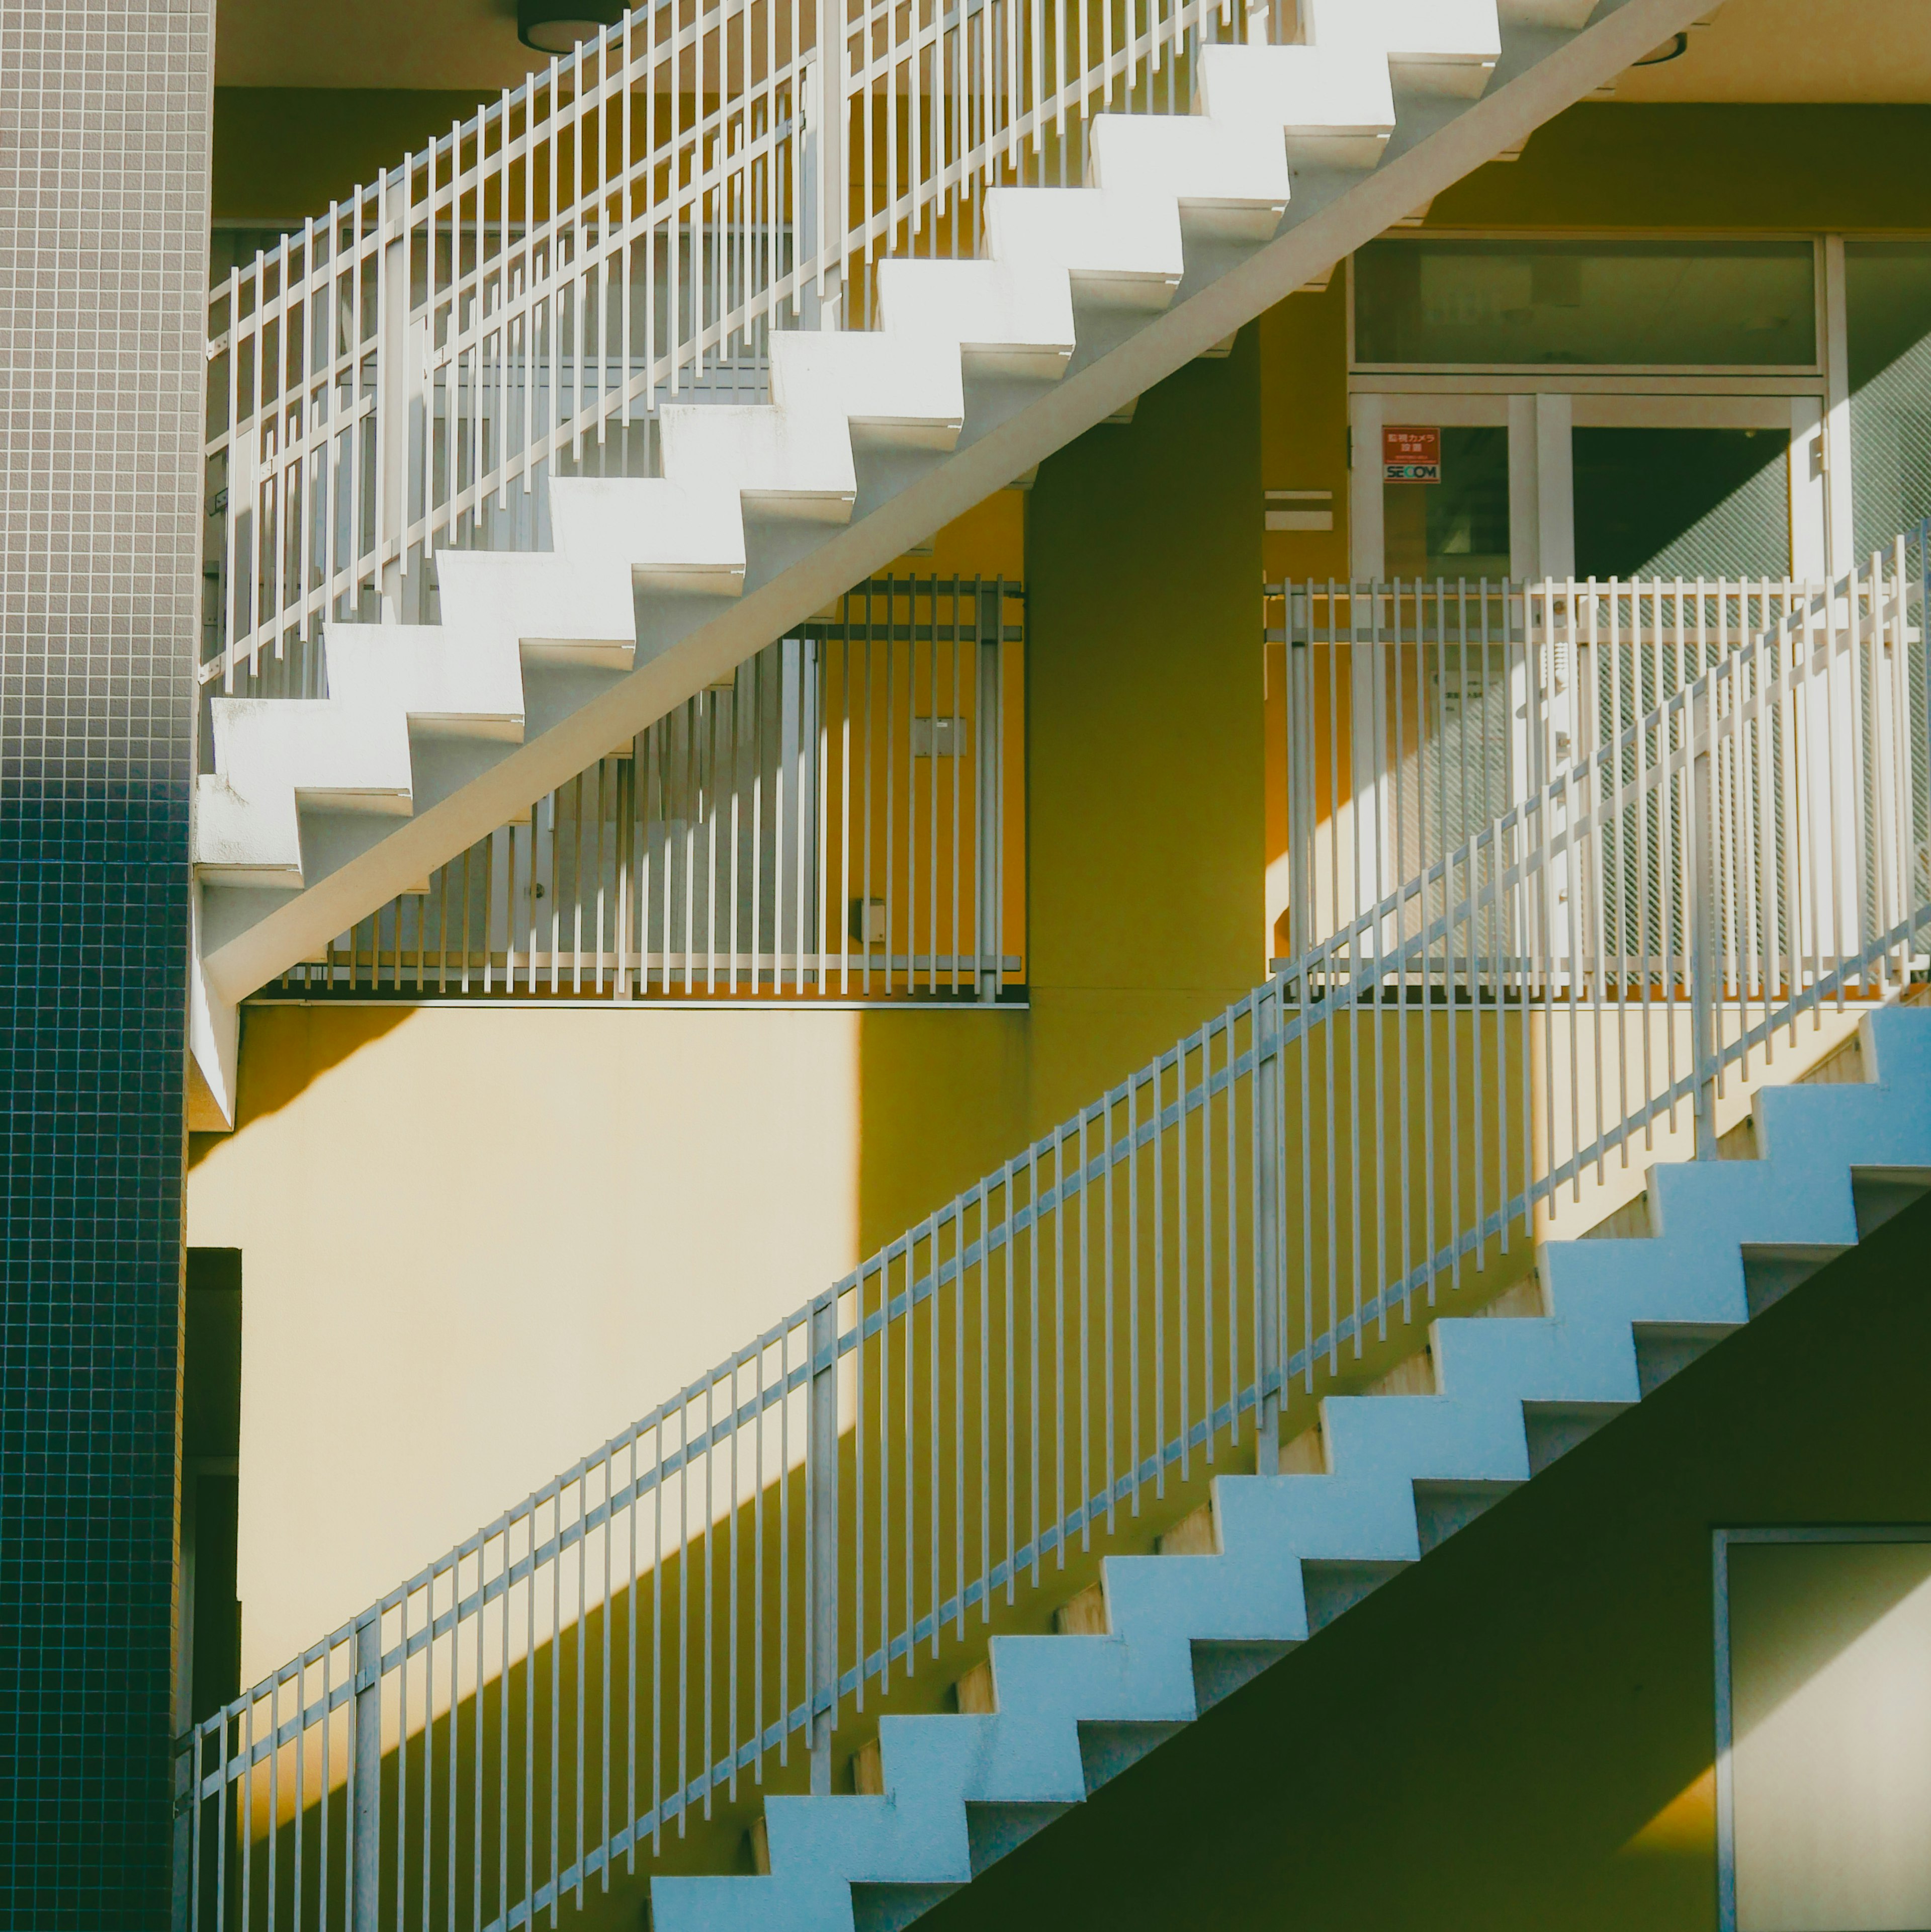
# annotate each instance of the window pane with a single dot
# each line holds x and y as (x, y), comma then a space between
(1459, 527)
(1682, 502)
(1888, 295)
(1749, 304)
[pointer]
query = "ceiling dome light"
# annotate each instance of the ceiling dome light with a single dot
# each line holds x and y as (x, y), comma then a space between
(555, 26)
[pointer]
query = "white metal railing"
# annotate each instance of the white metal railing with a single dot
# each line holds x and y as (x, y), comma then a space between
(1414, 711)
(403, 374)
(1050, 1364)
(842, 818)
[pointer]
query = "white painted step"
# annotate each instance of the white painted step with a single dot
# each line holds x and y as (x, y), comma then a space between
(1190, 226)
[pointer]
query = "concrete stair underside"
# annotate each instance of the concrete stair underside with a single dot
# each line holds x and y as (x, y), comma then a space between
(1386, 1476)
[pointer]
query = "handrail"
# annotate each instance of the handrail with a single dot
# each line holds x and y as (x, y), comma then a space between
(1256, 1216)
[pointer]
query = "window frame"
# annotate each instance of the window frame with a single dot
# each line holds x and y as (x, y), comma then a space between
(1564, 374)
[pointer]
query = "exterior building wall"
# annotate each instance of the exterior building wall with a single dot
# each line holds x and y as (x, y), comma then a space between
(1606, 165)
(1601, 167)
(475, 1243)
(342, 137)
(104, 109)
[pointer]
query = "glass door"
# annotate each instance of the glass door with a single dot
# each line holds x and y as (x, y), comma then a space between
(1452, 522)
(1592, 483)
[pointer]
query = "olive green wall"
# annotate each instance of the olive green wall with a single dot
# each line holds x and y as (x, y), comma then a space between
(1608, 165)
(288, 151)
(1517, 1732)
(283, 152)
(1143, 769)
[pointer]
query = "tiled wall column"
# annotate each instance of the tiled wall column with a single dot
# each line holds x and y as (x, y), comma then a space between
(104, 117)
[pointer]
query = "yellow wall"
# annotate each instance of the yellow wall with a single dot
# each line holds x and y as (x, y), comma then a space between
(1304, 423)
(476, 1242)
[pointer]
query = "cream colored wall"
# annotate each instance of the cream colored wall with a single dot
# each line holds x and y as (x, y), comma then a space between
(476, 1242)
(1830, 1679)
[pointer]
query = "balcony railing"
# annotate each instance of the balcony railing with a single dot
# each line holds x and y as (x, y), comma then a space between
(718, 1603)
(1413, 713)
(843, 818)
(404, 373)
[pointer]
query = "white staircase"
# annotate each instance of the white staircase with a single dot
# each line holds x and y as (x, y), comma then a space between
(851, 1504)
(319, 810)
(1398, 1474)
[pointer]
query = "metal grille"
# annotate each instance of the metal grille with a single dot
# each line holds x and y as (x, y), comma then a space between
(1417, 711)
(843, 817)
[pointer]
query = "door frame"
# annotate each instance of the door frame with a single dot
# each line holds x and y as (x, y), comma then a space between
(1540, 417)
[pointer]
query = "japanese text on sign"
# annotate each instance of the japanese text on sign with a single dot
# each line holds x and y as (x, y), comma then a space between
(1412, 455)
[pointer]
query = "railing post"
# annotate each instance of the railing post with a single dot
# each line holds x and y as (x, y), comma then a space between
(809, 189)
(1584, 852)
(365, 1848)
(1297, 676)
(821, 200)
(1702, 930)
(989, 935)
(1267, 1218)
(392, 397)
(1920, 887)
(822, 1474)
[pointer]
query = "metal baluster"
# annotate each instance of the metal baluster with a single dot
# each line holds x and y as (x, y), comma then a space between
(1702, 991)
(822, 1532)
(366, 1776)
(1269, 1285)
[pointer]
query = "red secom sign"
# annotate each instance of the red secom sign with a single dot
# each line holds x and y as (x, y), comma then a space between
(1412, 455)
